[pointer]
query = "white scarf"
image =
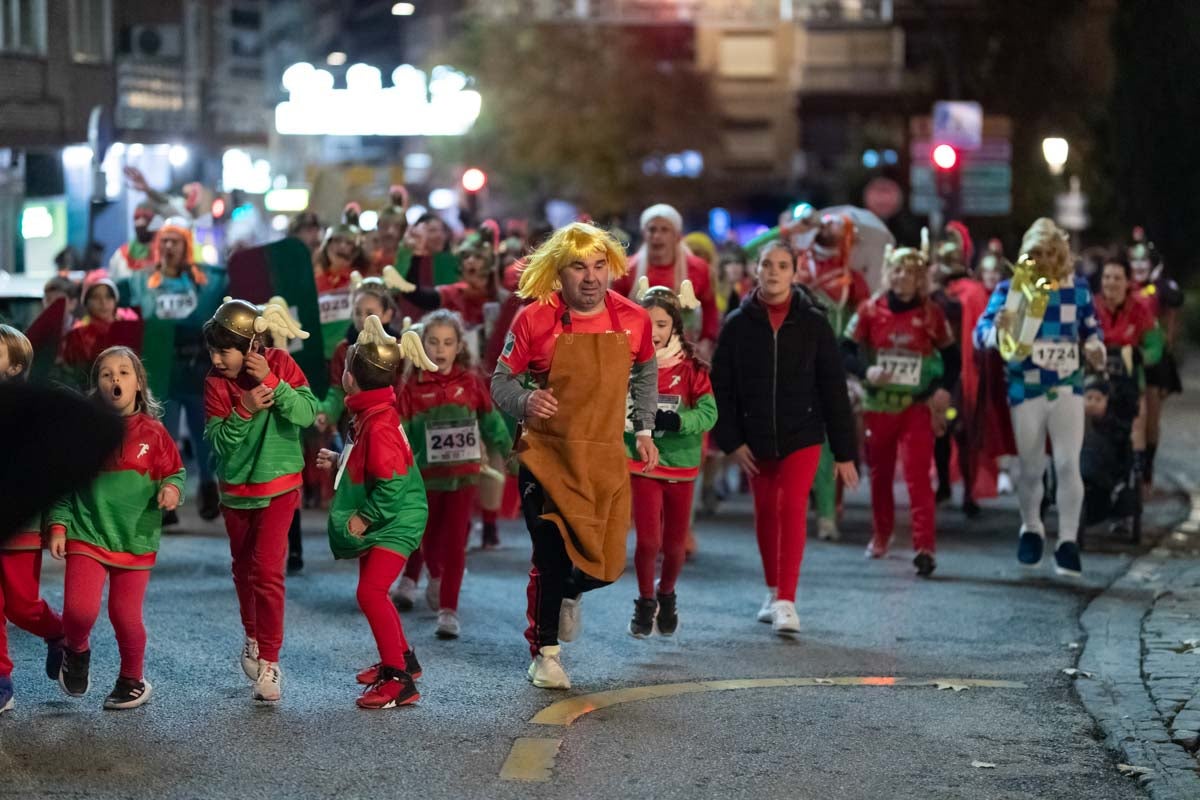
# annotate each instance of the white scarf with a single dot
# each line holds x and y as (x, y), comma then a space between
(670, 355)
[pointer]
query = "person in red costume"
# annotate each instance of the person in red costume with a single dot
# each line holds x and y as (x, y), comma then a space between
(95, 332)
(963, 300)
(665, 261)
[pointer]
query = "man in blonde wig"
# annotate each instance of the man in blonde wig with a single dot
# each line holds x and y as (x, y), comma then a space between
(585, 348)
(1045, 384)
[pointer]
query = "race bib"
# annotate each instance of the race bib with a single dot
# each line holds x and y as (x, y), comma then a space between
(174, 305)
(1059, 357)
(334, 307)
(669, 402)
(342, 465)
(905, 366)
(452, 442)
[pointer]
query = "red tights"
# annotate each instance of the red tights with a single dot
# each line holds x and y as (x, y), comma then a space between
(377, 569)
(661, 512)
(82, 588)
(444, 545)
(20, 603)
(781, 516)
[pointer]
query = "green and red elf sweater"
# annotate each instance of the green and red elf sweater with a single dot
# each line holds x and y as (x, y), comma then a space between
(376, 479)
(259, 455)
(683, 387)
(28, 538)
(449, 418)
(116, 520)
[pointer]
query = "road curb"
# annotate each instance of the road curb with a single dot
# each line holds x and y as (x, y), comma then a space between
(1136, 717)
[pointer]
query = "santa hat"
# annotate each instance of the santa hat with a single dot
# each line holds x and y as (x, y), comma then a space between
(664, 212)
(98, 277)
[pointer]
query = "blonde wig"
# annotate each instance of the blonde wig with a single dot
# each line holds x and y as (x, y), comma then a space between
(568, 244)
(1052, 243)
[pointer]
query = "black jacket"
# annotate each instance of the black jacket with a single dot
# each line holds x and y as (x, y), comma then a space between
(781, 391)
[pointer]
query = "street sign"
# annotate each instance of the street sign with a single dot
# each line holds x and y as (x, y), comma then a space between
(986, 172)
(1070, 208)
(958, 123)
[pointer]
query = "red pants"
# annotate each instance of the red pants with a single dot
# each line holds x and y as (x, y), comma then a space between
(661, 512)
(781, 490)
(377, 569)
(20, 603)
(911, 433)
(82, 588)
(445, 542)
(258, 542)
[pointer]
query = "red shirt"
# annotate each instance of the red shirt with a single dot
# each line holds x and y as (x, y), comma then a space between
(834, 280)
(1126, 325)
(464, 299)
(922, 329)
(664, 275)
(530, 343)
(777, 312)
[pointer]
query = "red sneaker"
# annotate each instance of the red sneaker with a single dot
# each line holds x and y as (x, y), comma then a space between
(394, 688)
(371, 674)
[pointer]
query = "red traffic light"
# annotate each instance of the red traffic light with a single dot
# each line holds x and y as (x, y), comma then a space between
(474, 179)
(218, 208)
(944, 157)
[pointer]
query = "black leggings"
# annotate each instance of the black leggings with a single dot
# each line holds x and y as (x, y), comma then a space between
(553, 575)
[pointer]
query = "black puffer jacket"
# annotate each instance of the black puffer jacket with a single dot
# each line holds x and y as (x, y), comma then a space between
(781, 391)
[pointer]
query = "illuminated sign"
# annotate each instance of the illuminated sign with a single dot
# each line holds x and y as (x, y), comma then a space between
(286, 200)
(411, 106)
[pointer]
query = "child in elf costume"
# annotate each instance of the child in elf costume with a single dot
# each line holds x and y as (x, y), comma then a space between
(257, 402)
(379, 508)
(662, 498)
(111, 530)
(448, 413)
(21, 555)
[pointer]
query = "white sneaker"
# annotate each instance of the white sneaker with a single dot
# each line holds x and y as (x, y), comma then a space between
(570, 619)
(1004, 484)
(875, 550)
(764, 613)
(433, 593)
(250, 658)
(546, 670)
(827, 530)
(404, 595)
(447, 624)
(266, 686)
(784, 618)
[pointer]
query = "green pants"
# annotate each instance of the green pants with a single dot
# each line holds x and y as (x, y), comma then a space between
(825, 485)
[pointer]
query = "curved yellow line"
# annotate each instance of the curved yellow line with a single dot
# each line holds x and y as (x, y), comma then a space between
(564, 712)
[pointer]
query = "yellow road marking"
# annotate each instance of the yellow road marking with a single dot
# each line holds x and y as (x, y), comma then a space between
(530, 760)
(564, 712)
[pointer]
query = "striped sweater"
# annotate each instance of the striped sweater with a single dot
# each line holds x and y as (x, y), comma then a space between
(259, 456)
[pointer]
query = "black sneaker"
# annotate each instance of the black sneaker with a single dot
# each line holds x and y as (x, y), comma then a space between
(667, 620)
(925, 564)
(491, 536)
(128, 693)
(210, 501)
(73, 677)
(411, 665)
(971, 509)
(1029, 549)
(1066, 560)
(943, 495)
(295, 564)
(54, 657)
(642, 624)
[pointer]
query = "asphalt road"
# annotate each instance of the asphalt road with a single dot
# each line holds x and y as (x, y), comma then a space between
(979, 618)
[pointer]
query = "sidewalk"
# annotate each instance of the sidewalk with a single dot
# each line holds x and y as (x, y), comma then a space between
(1140, 669)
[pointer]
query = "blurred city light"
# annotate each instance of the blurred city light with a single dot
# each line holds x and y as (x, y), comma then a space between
(288, 200)
(368, 220)
(135, 150)
(74, 156)
(218, 208)
(870, 159)
(415, 213)
(209, 253)
(891, 157)
(443, 198)
(1055, 150)
(336, 58)
(178, 155)
(473, 180)
(37, 223)
(279, 222)
(403, 9)
(240, 171)
(719, 223)
(945, 156)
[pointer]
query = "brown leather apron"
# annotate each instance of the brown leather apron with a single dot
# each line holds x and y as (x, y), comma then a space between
(578, 455)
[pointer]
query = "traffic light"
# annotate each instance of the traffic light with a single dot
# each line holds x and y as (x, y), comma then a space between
(473, 180)
(947, 178)
(219, 207)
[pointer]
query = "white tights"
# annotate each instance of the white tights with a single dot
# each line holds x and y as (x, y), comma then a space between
(1062, 419)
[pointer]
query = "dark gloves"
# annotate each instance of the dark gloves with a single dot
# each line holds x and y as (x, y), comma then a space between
(667, 421)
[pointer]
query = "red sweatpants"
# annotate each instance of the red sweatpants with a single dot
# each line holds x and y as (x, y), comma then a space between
(661, 512)
(83, 586)
(258, 542)
(911, 433)
(378, 568)
(20, 603)
(445, 542)
(781, 490)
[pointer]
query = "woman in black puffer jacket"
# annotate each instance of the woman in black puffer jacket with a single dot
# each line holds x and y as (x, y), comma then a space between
(781, 391)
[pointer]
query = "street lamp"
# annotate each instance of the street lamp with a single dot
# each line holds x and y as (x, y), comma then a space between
(403, 9)
(1055, 149)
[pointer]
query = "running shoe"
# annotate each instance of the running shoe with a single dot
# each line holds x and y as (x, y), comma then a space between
(1029, 548)
(827, 530)
(55, 648)
(394, 688)
(1066, 560)
(925, 564)
(249, 658)
(491, 536)
(784, 619)
(877, 549)
(447, 624)
(570, 619)
(667, 620)
(546, 670)
(404, 595)
(268, 685)
(371, 673)
(433, 593)
(642, 623)
(128, 693)
(765, 614)
(73, 677)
